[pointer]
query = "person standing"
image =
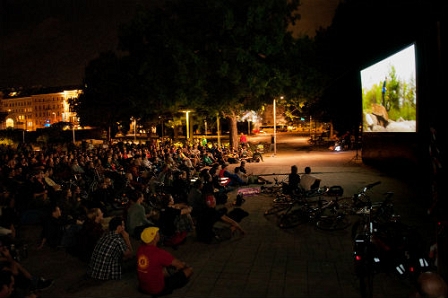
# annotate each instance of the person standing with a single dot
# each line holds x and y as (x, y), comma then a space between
(159, 272)
(271, 147)
(243, 139)
(110, 251)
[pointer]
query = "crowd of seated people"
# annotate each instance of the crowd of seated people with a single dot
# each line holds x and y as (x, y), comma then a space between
(70, 191)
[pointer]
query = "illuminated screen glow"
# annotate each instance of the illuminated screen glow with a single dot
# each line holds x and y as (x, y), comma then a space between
(389, 102)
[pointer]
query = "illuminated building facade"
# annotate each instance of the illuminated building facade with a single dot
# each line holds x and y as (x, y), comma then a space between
(35, 111)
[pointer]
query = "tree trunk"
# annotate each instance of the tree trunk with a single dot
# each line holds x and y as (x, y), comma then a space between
(233, 137)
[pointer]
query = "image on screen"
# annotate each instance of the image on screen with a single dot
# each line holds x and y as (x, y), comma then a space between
(389, 102)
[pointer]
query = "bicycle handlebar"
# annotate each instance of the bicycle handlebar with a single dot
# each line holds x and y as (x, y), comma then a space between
(369, 186)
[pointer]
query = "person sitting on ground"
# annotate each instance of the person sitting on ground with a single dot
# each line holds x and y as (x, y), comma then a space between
(40, 192)
(211, 219)
(196, 198)
(250, 178)
(257, 156)
(137, 218)
(293, 181)
(207, 158)
(54, 229)
(91, 231)
(181, 187)
(175, 221)
(232, 178)
(159, 272)
(53, 187)
(111, 250)
(309, 182)
(24, 280)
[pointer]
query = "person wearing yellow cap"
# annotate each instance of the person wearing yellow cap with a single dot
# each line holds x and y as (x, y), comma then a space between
(159, 272)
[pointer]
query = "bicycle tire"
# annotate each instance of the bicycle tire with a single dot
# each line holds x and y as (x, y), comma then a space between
(333, 223)
(293, 219)
(276, 209)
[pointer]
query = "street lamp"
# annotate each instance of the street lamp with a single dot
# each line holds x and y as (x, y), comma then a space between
(54, 117)
(205, 124)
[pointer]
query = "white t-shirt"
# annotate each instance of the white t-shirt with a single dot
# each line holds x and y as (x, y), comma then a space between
(306, 180)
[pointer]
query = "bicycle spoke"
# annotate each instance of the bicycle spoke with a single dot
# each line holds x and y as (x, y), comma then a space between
(333, 223)
(293, 219)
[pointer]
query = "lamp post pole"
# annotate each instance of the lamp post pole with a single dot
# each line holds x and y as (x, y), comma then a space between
(310, 126)
(162, 129)
(218, 130)
(187, 113)
(275, 129)
(135, 130)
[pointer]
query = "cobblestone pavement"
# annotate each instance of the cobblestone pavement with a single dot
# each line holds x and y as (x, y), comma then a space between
(268, 261)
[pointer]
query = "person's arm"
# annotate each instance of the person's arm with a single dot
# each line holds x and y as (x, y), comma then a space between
(233, 223)
(186, 210)
(180, 265)
(128, 253)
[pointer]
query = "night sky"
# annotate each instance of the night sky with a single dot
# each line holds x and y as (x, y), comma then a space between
(49, 42)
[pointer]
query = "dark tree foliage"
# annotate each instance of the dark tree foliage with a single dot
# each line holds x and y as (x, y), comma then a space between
(106, 99)
(215, 55)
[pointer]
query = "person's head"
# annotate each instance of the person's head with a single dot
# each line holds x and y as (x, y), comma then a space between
(307, 170)
(167, 199)
(55, 211)
(294, 169)
(136, 196)
(116, 224)
(431, 284)
(95, 214)
(210, 201)
(243, 163)
(150, 235)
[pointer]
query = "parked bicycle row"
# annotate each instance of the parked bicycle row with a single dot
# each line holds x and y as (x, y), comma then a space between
(382, 243)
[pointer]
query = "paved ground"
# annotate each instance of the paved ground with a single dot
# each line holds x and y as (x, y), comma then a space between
(268, 261)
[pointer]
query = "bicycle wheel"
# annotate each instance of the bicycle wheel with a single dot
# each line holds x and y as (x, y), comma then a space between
(277, 208)
(333, 223)
(293, 219)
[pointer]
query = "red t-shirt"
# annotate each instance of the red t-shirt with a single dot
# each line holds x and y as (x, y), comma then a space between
(150, 263)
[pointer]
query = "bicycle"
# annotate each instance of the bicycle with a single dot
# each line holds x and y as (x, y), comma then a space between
(303, 209)
(337, 219)
(277, 188)
(366, 259)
